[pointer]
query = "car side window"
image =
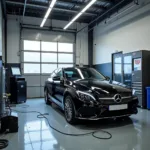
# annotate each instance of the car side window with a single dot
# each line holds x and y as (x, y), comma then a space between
(59, 73)
(54, 73)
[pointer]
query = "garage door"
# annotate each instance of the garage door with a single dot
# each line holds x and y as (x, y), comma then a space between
(40, 58)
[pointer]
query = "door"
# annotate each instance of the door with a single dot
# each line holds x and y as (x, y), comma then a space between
(127, 69)
(51, 83)
(40, 58)
(59, 87)
(117, 72)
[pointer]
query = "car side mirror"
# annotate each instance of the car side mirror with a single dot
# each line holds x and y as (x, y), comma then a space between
(107, 78)
(56, 78)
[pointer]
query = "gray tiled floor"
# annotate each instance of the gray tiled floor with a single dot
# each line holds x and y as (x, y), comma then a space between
(35, 134)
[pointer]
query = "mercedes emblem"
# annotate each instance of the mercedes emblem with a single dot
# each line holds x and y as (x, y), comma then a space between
(117, 98)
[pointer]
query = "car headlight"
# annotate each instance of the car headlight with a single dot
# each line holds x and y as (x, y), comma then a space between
(83, 96)
(133, 92)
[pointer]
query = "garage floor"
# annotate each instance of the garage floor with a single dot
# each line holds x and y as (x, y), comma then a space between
(35, 134)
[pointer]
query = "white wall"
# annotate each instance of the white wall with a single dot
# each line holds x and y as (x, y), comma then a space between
(13, 37)
(82, 46)
(129, 33)
(13, 40)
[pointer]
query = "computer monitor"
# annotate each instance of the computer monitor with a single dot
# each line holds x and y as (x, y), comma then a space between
(15, 71)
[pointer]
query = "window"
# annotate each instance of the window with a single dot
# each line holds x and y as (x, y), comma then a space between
(49, 46)
(117, 68)
(65, 47)
(118, 60)
(90, 73)
(48, 68)
(49, 57)
(31, 68)
(65, 65)
(55, 72)
(65, 58)
(72, 74)
(41, 57)
(31, 57)
(127, 64)
(31, 45)
(127, 69)
(59, 73)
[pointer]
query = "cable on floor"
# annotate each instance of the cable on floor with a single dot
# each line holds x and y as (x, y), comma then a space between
(3, 142)
(41, 116)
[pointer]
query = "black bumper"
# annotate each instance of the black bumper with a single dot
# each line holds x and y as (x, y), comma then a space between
(103, 112)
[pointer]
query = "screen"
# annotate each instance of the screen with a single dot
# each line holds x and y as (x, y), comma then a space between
(16, 71)
(137, 64)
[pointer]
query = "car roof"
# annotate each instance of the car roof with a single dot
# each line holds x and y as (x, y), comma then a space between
(76, 67)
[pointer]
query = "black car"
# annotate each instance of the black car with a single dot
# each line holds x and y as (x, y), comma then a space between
(84, 93)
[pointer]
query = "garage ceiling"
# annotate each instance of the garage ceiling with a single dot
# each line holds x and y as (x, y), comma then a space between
(64, 9)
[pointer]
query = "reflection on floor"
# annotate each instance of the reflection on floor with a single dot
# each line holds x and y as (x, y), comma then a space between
(35, 134)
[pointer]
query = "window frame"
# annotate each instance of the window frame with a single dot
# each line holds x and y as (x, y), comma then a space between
(41, 51)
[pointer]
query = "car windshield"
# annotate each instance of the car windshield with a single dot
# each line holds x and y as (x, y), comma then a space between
(82, 73)
(90, 73)
(72, 74)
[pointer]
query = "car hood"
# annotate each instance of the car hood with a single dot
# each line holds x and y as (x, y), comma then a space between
(102, 86)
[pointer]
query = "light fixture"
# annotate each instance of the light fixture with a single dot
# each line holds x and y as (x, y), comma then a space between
(53, 3)
(88, 5)
(80, 13)
(48, 12)
(43, 22)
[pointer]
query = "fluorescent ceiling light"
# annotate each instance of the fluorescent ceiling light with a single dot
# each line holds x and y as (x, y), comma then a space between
(48, 12)
(53, 3)
(76, 17)
(89, 5)
(80, 13)
(43, 22)
(67, 25)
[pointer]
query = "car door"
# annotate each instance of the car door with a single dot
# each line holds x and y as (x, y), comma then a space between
(50, 83)
(59, 87)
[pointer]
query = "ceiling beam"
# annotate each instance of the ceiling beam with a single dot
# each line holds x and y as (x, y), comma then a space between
(113, 9)
(81, 4)
(107, 1)
(55, 16)
(45, 7)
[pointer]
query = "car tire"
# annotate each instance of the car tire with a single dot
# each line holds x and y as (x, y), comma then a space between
(47, 99)
(69, 110)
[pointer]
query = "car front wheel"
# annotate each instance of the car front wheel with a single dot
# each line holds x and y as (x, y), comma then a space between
(69, 110)
(47, 99)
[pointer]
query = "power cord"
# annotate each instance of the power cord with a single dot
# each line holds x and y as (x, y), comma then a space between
(3, 142)
(41, 116)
